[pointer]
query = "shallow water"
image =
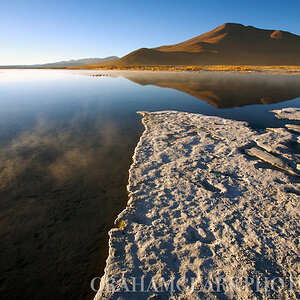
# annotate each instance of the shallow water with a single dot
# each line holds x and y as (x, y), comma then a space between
(66, 141)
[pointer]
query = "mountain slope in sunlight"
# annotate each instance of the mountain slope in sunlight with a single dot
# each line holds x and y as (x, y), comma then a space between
(228, 44)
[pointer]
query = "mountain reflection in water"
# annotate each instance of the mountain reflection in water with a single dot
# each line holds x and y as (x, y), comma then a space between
(225, 90)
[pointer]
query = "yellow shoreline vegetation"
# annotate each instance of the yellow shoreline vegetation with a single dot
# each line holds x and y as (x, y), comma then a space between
(289, 69)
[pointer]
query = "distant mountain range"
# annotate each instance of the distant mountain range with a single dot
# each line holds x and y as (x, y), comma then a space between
(65, 64)
(228, 44)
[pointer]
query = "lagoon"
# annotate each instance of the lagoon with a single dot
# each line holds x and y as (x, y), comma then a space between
(66, 142)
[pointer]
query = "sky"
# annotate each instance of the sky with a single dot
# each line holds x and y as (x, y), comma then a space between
(40, 31)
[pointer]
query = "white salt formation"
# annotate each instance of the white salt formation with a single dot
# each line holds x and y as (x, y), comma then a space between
(291, 113)
(293, 127)
(210, 201)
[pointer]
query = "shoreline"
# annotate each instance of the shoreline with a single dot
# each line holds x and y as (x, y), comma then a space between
(197, 195)
(216, 68)
(294, 70)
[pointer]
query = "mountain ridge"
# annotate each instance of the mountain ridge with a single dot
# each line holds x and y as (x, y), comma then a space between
(65, 63)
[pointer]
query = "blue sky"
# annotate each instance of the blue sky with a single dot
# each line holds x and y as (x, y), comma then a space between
(37, 31)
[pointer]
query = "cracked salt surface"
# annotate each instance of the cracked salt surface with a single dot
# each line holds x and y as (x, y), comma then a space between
(208, 197)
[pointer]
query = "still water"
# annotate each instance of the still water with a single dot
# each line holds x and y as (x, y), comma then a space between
(66, 141)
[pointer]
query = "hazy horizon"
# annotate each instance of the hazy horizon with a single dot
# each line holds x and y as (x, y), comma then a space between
(37, 32)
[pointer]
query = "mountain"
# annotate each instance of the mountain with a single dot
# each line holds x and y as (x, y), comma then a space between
(76, 62)
(228, 44)
(69, 63)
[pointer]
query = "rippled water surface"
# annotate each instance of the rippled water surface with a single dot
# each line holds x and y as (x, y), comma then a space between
(66, 141)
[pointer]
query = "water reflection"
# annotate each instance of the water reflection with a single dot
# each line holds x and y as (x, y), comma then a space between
(225, 90)
(66, 143)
